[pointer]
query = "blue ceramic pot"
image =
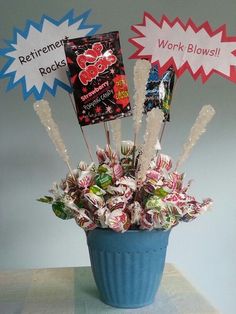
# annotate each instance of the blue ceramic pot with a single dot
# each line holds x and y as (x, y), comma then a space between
(127, 267)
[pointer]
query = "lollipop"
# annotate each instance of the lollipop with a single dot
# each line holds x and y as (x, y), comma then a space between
(118, 221)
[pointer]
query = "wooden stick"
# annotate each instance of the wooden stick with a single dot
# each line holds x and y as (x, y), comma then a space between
(73, 104)
(70, 170)
(107, 133)
(134, 149)
(162, 131)
(87, 144)
(164, 124)
(82, 131)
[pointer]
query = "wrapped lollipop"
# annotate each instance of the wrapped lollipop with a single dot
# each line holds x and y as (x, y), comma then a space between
(85, 179)
(163, 162)
(83, 220)
(135, 211)
(95, 200)
(118, 221)
(116, 202)
(150, 220)
(101, 215)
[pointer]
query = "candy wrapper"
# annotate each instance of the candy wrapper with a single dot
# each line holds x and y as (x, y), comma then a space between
(155, 202)
(127, 148)
(85, 179)
(97, 77)
(103, 180)
(127, 182)
(105, 196)
(83, 220)
(163, 162)
(101, 215)
(159, 91)
(61, 211)
(107, 156)
(82, 166)
(193, 209)
(118, 171)
(95, 200)
(118, 221)
(135, 213)
(97, 190)
(116, 202)
(149, 220)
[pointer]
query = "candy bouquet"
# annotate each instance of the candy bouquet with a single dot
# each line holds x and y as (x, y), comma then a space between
(130, 199)
(127, 203)
(133, 185)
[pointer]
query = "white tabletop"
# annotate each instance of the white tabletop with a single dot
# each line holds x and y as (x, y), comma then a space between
(73, 291)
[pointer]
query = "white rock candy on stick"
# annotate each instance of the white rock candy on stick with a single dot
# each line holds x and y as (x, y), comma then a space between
(204, 117)
(116, 133)
(154, 123)
(141, 74)
(43, 110)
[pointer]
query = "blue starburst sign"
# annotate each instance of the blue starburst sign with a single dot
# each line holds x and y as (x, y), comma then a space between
(35, 55)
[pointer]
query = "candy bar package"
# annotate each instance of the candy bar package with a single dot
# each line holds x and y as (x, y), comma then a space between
(97, 77)
(159, 91)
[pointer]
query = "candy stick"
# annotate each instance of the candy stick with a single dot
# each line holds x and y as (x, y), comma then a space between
(43, 110)
(205, 115)
(116, 132)
(154, 123)
(141, 73)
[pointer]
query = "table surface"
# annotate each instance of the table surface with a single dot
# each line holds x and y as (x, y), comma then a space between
(73, 291)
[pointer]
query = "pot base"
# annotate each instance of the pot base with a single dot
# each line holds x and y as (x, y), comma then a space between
(127, 267)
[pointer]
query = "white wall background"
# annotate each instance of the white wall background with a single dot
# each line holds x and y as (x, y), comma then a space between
(31, 236)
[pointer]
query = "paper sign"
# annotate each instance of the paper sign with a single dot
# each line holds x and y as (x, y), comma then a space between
(36, 56)
(198, 49)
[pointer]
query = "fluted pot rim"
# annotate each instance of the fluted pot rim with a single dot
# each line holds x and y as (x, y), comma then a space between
(129, 230)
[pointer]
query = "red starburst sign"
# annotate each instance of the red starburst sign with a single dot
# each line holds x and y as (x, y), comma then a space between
(185, 46)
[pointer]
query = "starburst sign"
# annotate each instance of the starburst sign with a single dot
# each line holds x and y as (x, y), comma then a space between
(198, 49)
(36, 57)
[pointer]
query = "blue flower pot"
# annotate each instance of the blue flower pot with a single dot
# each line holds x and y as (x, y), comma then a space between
(127, 267)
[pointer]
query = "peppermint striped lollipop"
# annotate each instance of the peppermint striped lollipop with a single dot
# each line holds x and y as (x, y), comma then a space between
(118, 221)
(163, 162)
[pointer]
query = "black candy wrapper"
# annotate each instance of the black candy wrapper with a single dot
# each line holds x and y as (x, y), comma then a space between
(159, 91)
(98, 78)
